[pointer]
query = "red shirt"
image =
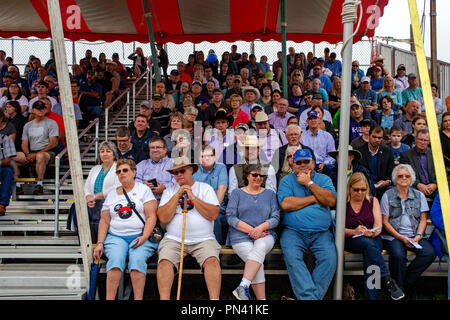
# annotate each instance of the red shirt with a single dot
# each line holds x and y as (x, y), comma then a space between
(59, 120)
(241, 118)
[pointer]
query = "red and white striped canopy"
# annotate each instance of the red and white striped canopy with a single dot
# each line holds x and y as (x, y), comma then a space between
(181, 21)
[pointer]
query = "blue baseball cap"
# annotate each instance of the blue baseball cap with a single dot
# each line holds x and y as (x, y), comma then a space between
(312, 113)
(302, 154)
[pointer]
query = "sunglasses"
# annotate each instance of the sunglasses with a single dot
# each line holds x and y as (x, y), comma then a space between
(182, 171)
(403, 176)
(359, 189)
(256, 175)
(300, 162)
(124, 170)
(355, 65)
(315, 69)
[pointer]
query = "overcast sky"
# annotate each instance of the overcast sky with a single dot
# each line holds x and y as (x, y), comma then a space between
(396, 21)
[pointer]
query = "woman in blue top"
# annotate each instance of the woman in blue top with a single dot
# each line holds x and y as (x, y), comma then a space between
(252, 214)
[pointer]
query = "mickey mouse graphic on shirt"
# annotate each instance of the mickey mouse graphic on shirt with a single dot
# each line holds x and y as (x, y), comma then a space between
(190, 204)
(124, 212)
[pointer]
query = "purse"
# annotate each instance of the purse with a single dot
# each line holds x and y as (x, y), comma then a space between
(157, 233)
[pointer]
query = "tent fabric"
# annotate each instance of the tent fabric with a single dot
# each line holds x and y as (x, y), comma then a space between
(181, 21)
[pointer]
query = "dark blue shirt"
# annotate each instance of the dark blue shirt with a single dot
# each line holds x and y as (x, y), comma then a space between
(94, 87)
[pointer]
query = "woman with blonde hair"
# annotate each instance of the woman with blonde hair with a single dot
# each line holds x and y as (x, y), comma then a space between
(334, 96)
(238, 115)
(139, 61)
(389, 90)
(363, 225)
(176, 122)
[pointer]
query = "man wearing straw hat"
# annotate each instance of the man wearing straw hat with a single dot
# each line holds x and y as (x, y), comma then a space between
(199, 241)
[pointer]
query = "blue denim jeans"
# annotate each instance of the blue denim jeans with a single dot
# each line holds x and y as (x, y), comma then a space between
(371, 250)
(398, 260)
(221, 227)
(307, 286)
(117, 248)
(7, 180)
(94, 111)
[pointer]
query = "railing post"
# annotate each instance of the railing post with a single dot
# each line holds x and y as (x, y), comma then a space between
(134, 100)
(57, 185)
(128, 107)
(148, 80)
(97, 126)
(106, 123)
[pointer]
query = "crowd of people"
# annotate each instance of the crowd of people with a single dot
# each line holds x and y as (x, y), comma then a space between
(253, 168)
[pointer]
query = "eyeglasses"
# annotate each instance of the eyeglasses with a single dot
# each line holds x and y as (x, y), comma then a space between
(359, 189)
(182, 171)
(256, 175)
(124, 170)
(300, 162)
(12, 71)
(403, 176)
(122, 140)
(156, 147)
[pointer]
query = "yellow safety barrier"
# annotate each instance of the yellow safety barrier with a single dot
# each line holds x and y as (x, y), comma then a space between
(438, 158)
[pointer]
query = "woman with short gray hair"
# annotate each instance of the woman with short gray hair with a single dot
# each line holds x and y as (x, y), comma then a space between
(404, 212)
(101, 180)
(406, 167)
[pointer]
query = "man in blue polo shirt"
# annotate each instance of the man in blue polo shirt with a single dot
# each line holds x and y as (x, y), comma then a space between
(305, 197)
(215, 174)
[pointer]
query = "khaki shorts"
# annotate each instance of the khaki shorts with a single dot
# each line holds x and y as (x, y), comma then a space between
(170, 250)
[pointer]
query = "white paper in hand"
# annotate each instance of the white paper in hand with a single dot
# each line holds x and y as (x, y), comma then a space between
(360, 234)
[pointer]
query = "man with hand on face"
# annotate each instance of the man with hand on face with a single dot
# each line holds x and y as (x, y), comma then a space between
(306, 196)
(152, 172)
(203, 209)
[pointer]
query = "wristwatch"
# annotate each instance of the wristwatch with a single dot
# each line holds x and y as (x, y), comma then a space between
(310, 183)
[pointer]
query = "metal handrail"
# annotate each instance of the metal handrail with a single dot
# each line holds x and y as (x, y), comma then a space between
(126, 91)
(59, 181)
(148, 72)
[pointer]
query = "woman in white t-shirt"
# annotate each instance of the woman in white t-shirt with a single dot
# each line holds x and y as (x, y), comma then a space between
(121, 232)
(14, 94)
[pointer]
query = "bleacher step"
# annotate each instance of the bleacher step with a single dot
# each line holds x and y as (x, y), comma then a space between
(72, 277)
(39, 240)
(41, 294)
(40, 252)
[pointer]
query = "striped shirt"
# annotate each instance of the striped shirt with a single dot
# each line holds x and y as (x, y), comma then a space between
(7, 148)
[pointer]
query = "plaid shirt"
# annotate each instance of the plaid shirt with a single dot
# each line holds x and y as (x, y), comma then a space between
(7, 148)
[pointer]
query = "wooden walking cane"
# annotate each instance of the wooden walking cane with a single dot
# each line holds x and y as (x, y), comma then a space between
(180, 272)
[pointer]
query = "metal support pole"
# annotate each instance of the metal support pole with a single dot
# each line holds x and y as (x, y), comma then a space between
(147, 84)
(343, 159)
(434, 66)
(71, 135)
(283, 48)
(128, 107)
(97, 127)
(12, 49)
(106, 123)
(134, 100)
(74, 54)
(57, 185)
(148, 18)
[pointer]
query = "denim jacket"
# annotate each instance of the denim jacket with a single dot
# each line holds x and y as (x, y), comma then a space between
(412, 208)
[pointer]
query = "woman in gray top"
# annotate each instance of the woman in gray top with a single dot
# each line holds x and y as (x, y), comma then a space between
(252, 214)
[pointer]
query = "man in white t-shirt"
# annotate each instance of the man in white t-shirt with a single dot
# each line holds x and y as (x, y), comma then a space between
(42, 90)
(203, 209)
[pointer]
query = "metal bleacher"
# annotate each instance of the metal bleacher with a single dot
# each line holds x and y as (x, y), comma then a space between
(35, 261)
